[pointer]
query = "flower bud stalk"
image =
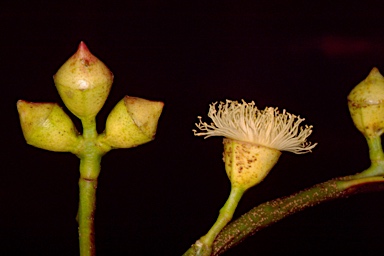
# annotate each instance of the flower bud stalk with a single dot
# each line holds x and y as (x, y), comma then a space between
(366, 105)
(85, 217)
(203, 247)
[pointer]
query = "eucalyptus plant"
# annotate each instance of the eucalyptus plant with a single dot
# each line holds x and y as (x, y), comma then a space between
(253, 141)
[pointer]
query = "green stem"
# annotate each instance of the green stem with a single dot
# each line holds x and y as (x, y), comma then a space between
(203, 246)
(376, 156)
(375, 149)
(226, 214)
(87, 206)
(89, 128)
(90, 157)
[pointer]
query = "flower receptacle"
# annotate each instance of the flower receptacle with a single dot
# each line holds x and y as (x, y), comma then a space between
(366, 105)
(132, 122)
(247, 164)
(83, 83)
(47, 126)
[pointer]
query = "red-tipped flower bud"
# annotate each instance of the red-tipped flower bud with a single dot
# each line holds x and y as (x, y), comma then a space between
(83, 83)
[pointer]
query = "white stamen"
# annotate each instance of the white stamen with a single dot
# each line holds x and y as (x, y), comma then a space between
(268, 127)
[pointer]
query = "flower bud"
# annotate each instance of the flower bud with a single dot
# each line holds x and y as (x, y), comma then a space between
(366, 104)
(247, 164)
(132, 122)
(83, 83)
(47, 126)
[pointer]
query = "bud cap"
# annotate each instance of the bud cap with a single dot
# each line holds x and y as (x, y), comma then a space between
(366, 104)
(83, 83)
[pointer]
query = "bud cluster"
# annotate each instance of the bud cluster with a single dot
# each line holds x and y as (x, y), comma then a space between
(84, 83)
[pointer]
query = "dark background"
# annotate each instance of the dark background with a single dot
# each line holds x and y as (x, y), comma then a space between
(157, 199)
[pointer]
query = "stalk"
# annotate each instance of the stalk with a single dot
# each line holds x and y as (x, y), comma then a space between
(90, 158)
(87, 206)
(226, 214)
(203, 246)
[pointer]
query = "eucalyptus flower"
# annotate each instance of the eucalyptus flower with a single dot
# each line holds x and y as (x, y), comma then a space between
(253, 143)
(254, 138)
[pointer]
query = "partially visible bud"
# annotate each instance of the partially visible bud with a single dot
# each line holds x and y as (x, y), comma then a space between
(366, 104)
(132, 122)
(47, 126)
(247, 164)
(83, 83)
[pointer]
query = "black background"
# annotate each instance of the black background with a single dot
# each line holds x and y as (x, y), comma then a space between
(157, 199)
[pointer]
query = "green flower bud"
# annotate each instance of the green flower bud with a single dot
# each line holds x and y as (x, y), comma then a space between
(83, 83)
(47, 126)
(132, 122)
(366, 104)
(247, 164)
